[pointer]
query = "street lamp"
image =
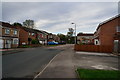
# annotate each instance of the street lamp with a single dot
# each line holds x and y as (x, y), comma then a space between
(75, 34)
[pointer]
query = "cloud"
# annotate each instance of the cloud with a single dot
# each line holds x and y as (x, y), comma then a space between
(57, 17)
(61, 0)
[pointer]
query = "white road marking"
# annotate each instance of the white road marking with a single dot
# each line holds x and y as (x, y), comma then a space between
(45, 67)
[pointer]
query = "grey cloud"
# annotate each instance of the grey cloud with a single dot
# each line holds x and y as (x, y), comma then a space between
(57, 16)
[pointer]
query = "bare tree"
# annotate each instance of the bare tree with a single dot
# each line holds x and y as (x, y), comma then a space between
(29, 23)
(71, 31)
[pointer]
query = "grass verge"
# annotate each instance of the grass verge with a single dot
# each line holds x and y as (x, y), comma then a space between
(88, 74)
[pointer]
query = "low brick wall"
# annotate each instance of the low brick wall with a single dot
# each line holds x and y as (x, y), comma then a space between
(94, 48)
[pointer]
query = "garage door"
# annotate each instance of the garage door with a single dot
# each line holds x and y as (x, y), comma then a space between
(1, 43)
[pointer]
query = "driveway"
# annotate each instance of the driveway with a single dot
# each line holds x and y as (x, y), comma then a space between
(92, 60)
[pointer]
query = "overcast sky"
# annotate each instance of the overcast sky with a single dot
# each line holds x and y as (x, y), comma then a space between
(56, 17)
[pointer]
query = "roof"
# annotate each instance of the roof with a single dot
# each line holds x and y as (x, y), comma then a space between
(28, 29)
(85, 34)
(104, 22)
(5, 24)
(32, 30)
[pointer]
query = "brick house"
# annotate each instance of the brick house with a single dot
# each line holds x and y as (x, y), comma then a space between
(108, 33)
(9, 36)
(53, 37)
(56, 38)
(26, 35)
(84, 38)
(42, 36)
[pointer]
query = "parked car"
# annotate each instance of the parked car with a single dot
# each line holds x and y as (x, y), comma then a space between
(52, 43)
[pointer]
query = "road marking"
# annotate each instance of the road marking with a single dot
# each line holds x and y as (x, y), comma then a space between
(45, 67)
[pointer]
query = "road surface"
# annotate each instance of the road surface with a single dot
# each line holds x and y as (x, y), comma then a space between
(28, 63)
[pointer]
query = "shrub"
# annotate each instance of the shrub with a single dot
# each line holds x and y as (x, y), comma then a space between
(35, 41)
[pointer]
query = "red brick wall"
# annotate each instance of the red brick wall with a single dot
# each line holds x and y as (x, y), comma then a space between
(94, 48)
(23, 36)
(14, 45)
(32, 36)
(107, 32)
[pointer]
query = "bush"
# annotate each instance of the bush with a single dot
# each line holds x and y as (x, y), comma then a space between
(35, 41)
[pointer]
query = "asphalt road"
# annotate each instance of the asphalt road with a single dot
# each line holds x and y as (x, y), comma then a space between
(28, 63)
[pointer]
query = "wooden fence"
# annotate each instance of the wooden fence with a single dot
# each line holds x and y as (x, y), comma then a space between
(94, 48)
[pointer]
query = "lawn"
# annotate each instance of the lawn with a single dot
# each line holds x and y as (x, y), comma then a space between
(88, 74)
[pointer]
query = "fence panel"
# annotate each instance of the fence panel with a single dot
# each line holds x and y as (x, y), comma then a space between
(94, 48)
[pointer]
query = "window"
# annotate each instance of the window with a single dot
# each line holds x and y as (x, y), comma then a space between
(7, 31)
(15, 41)
(33, 34)
(118, 28)
(15, 32)
(96, 42)
(29, 34)
(42, 35)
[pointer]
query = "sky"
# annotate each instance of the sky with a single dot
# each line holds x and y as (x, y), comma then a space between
(56, 17)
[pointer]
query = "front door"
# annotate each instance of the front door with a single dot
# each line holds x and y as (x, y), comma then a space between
(7, 43)
(1, 43)
(116, 46)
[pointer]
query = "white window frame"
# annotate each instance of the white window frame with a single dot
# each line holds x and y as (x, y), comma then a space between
(118, 28)
(33, 34)
(15, 32)
(96, 40)
(14, 42)
(29, 34)
(7, 31)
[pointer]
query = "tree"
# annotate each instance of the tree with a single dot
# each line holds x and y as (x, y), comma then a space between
(71, 31)
(17, 24)
(62, 37)
(29, 23)
(70, 37)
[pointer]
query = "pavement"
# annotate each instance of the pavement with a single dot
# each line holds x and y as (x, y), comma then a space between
(61, 67)
(66, 62)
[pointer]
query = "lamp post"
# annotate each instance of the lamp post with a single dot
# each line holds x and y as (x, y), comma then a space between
(75, 34)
